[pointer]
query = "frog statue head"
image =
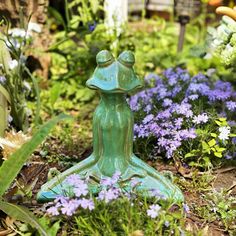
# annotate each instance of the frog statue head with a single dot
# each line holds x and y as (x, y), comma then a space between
(114, 75)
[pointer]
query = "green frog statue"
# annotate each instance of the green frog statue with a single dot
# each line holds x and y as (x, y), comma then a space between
(113, 134)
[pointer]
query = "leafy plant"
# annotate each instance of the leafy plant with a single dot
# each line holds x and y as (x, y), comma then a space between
(180, 115)
(11, 167)
(116, 210)
(14, 74)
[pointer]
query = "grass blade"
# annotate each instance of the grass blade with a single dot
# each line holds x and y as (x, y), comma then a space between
(24, 215)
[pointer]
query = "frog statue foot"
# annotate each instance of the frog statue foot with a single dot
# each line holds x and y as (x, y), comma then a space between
(113, 135)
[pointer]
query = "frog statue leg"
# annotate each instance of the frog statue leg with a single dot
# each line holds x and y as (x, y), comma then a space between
(148, 177)
(85, 168)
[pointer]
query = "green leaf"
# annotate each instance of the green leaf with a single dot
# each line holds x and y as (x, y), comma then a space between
(205, 146)
(4, 92)
(51, 229)
(190, 154)
(218, 122)
(55, 93)
(220, 149)
(213, 135)
(222, 119)
(24, 215)
(218, 154)
(12, 166)
(212, 142)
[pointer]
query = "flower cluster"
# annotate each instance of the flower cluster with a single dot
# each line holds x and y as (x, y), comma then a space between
(110, 190)
(68, 206)
(173, 107)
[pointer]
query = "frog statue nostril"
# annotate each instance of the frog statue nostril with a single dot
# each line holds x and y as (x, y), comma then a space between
(104, 58)
(127, 58)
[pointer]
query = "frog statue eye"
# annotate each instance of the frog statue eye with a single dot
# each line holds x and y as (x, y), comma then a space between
(127, 58)
(104, 58)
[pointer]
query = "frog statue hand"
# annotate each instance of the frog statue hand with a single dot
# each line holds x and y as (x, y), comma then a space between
(113, 134)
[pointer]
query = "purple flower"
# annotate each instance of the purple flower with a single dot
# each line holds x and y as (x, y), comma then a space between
(163, 142)
(176, 90)
(186, 208)
(74, 180)
(53, 211)
(157, 194)
(167, 102)
(228, 157)
(86, 203)
(150, 77)
(178, 122)
(234, 140)
(193, 97)
(110, 181)
(82, 190)
(231, 106)
(92, 26)
(148, 118)
(164, 114)
(153, 211)
(109, 195)
(70, 207)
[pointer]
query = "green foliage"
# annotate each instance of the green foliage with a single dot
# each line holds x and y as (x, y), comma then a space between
(220, 206)
(4, 100)
(11, 167)
(24, 215)
(210, 148)
(14, 43)
(51, 228)
(125, 217)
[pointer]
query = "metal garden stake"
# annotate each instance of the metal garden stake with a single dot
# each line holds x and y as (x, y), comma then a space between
(185, 9)
(113, 134)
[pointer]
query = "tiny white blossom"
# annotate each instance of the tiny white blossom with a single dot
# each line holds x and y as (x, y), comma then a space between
(224, 133)
(17, 32)
(10, 118)
(2, 79)
(13, 64)
(34, 27)
(153, 210)
(13, 42)
(27, 85)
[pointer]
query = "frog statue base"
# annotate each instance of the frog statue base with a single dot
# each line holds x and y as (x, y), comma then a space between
(113, 136)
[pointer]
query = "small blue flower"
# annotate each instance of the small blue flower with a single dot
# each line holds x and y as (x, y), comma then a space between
(92, 26)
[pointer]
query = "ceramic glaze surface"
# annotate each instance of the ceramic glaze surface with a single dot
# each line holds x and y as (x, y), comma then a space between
(113, 134)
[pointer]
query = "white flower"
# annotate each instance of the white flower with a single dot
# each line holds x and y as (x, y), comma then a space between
(27, 86)
(13, 64)
(13, 42)
(2, 79)
(224, 133)
(17, 32)
(202, 118)
(153, 210)
(34, 27)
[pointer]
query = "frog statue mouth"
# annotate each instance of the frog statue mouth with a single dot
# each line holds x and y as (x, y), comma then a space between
(114, 75)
